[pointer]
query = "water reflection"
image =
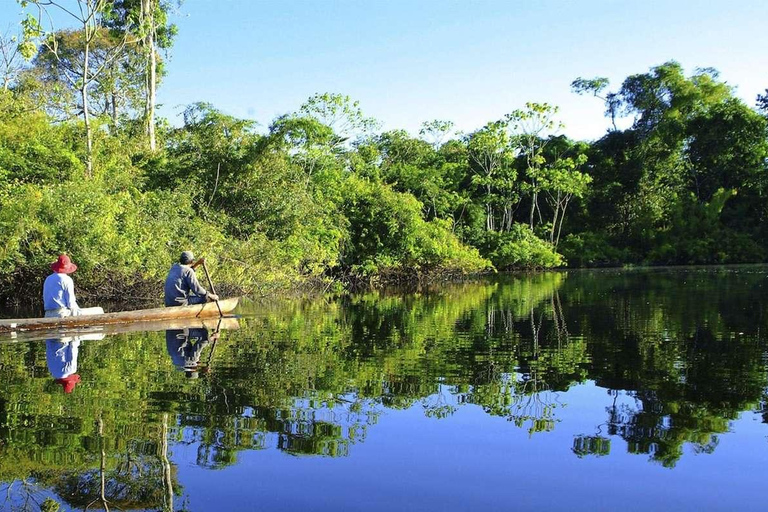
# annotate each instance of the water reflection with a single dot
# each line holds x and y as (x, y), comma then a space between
(61, 357)
(675, 358)
(185, 346)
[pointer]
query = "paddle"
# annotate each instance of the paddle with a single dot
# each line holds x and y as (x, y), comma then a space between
(215, 337)
(210, 284)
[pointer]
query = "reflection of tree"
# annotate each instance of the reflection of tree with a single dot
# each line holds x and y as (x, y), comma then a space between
(687, 370)
(167, 474)
(140, 477)
(312, 378)
(591, 445)
(24, 494)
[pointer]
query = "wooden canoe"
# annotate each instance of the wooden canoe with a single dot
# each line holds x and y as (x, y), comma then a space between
(207, 310)
(227, 323)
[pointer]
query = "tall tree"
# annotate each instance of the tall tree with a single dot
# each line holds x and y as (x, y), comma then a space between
(116, 80)
(531, 127)
(340, 113)
(88, 16)
(435, 131)
(11, 61)
(561, 181)
(595, 87)
(147, 22)
(489, 151)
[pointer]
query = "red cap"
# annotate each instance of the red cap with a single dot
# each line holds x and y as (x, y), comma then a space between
(63, 265)
(69, 382)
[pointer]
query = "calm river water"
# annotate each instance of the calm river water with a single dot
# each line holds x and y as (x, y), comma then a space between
(588, 390)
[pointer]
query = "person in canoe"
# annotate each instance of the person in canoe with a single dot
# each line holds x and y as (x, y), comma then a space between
(59, 290)
(182, 287)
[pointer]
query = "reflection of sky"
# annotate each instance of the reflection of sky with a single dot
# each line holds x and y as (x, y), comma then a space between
(472, 461)
(271, 399)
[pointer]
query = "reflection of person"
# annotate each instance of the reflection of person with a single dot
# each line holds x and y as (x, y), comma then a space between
(59, 290)
(61, 356)
(182, 287)
(185, 346)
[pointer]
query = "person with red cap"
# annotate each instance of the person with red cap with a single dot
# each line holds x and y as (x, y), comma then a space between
(59, 290)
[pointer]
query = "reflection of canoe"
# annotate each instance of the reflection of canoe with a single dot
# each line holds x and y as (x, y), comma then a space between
(228, 323)
(208, 310)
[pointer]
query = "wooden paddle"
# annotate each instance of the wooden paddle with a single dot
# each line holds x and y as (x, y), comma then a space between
(210, 284)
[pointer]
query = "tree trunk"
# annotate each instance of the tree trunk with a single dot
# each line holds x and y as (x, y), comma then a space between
(149, 17)
(114, 110)
(86, 112)
(562, 217)
(488, 210)
(167, 478)
(554, 223)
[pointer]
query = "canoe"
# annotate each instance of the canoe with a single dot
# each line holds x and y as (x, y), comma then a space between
(207, 310)
(87, 332)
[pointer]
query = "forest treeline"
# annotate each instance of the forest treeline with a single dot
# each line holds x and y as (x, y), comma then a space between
(86, 167)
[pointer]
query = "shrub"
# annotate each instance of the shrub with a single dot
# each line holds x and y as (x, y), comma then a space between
(590, 249)
(386, 231)
(519, 248)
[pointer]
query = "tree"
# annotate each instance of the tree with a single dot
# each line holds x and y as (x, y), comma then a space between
(147, 21)
(727, 147)
(116, 79)
(340, 113)
(663, 99)
(530, 128)
(489, 151)
(414, 165)
(434, 132)
(11, 59)
(762, 103)
(88, 16)
(561, 181)
(596, 86)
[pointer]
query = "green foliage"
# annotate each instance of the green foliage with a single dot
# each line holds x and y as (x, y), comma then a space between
(109, 235)
(320, 194)
(50, 505)
(589, 249)
(34, 151)
(520, 248)
(387, 231)
(696, 235)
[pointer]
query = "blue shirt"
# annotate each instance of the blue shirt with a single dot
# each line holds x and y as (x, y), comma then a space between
(182, 286)
(61, 357)
(59, 292)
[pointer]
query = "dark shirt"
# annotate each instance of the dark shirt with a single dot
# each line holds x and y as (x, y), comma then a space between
(182, 287)
(186, 346)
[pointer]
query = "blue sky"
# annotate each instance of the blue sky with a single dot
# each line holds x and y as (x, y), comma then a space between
(466, 61)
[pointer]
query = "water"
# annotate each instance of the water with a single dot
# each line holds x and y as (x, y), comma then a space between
(594, 390)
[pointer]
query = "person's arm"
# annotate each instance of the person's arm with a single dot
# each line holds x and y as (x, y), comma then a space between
(69, 293)
(194, 285)
(210, 296)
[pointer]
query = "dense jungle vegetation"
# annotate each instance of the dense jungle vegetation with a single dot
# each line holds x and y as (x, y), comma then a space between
(86, 167)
